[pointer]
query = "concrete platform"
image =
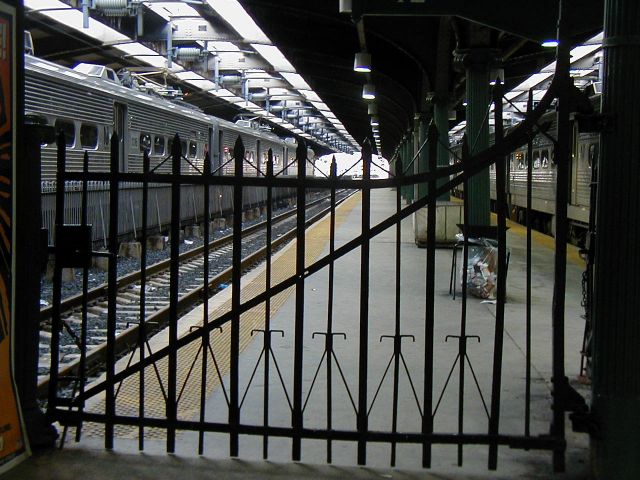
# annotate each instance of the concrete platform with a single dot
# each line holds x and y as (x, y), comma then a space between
(89, 460)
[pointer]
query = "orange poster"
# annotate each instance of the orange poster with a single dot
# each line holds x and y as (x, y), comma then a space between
(12, 441)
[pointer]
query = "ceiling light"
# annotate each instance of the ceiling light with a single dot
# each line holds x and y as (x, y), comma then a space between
(374, 120)
(369, 91)
(372, 109)
(550, 43)
(362, 62)
(345, 6)
(496, 74)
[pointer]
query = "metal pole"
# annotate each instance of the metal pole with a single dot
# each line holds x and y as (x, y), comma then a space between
(501, 201)
(234, 375)
(110, 408)
(174, 286)
(563, 159)
(296, 418)
(363, 361)
(427, 418)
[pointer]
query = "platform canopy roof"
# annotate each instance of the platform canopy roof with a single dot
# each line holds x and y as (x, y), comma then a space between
(290, 63)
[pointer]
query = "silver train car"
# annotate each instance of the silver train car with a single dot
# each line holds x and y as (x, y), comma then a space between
(584, 158)
(89, 104)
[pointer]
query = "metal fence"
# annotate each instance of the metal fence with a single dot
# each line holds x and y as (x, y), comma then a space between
(202, 366)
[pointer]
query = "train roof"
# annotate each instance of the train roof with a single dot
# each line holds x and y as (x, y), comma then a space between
(67, 75)
(62, 74)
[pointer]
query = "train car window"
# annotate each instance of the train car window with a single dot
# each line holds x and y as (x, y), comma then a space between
(545, 158)
(193, 149)
(536, 159)
(594, 151)
(553, 158)
(183, 145)
(145, 142)
(158, 145)
(520, 160)
(89, 136)
(69, 130)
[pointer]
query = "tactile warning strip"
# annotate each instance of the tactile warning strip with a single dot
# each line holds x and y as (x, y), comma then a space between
(189, 372)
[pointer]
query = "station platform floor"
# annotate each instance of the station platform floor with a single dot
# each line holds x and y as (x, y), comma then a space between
(89, 459)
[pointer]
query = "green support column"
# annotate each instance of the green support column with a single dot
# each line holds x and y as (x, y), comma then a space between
(441, 118)
(410, 195)
(616, 321)
(476, 62)
(423, 158)
(403, 157)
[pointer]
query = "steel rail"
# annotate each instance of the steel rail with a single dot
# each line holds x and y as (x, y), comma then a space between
(96, 293)
(128, 338)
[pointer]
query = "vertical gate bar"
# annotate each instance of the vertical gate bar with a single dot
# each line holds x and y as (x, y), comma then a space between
(142, 326)
(462, 343)
(396, 338)
(527, 388)
(501, 201)
(427, 418)
(205, 300)
(333, 174)
(174, 285)
(563, 159)
(363, 421)
(296, 420)
(82, 373)
(56, 324)
(267, 305)
(236, 274)
(112, 288)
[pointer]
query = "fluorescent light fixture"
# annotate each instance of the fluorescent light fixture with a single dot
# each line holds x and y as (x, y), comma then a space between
(362, 62)
(375, 121)
(551, 43)
(345, 6)
(372, 109)
(320, 106)
(222, 93)
(233, 13)
(274, 56)
(172, 9)
(369, 91)
(311, 96)
(496, 74)
(296, 80)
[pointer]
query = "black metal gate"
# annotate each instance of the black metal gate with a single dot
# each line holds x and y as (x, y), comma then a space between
(171, 376)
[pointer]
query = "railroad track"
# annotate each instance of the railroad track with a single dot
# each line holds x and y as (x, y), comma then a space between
(191, 291)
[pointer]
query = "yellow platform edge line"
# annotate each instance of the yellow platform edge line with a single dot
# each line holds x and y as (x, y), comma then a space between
(573, 252)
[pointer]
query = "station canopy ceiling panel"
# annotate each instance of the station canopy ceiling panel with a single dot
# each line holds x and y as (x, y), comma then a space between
(292, 64)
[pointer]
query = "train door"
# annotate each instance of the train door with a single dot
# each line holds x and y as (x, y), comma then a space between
(258, 159)
(212, 147)
(574, 160)
(221, 158)
(120, 125)
(285, 160)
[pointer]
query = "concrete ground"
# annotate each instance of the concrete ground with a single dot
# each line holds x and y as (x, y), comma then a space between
(89, 460)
